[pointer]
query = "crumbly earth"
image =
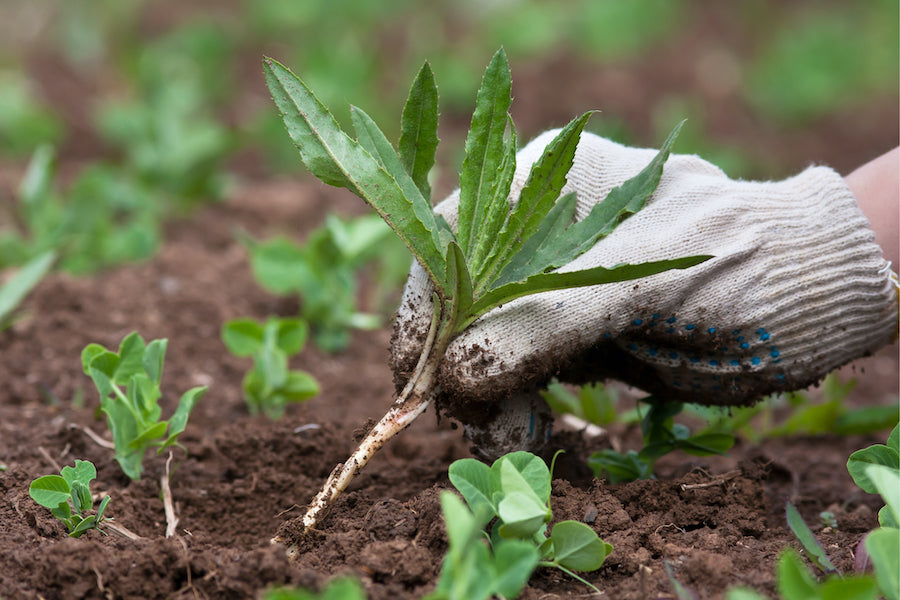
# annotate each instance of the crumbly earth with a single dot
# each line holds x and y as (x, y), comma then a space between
(717, 522)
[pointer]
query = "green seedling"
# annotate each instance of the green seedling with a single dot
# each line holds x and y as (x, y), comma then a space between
(270, 384)
(497, 253)
(515, 491)
(104, 218)
(14, 290)
(323, 272)
(474, 570)
(876, 469)
(794, 581)
(128, 382)
(661, 436)
(593, 402)
(24, 122)
(807, 539)
(339, 589)
(68, 496)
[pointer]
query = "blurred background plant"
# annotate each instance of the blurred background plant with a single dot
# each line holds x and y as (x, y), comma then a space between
(150, 109)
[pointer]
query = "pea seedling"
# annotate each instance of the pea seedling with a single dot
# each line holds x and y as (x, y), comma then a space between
(128, 382)
(661, 436)
(497, 254)
(516, 491)
(323, 271)
(270, 385)
(68, 496)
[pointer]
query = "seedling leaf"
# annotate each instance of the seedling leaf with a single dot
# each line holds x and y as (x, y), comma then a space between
(292, 335)
(299, 386)
(524, 472)
(876, 454)
(887, 484)
(577, 547)
(475, 482)
(883, 546)
(180, 417)
(15, 289)
(153, 359)
(418, 129)
(794, 581)
(813, 548)
(50, 491)
(514, 561)
(242, 337)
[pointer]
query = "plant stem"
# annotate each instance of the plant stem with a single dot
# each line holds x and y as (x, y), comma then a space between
(412, 401)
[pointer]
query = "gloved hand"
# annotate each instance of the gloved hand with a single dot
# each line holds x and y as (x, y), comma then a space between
(797, 288)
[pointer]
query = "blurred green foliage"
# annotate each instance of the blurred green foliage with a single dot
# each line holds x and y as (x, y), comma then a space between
(820, 63)
(168, 95)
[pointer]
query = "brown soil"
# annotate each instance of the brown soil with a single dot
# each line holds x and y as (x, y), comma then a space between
(717, 522)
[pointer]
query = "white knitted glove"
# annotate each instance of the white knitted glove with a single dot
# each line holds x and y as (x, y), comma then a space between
(797, 288)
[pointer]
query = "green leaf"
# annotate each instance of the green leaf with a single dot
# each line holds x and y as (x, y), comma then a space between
(521, 515)
(16, 288)
(577, 547)
(370, 137)
(333, 157)
(279, 265)
(525, 487)
(620, 467)
(292, 335)
(706, 444)
(544, 282)
(154, 357)
(793, 579)
(131, 358)
(813, 548)
(484, 148)
(475, 482)
(83, 471)
(537, 253)
(101, 510)
(553, 245)
(887, 484)
(860, 587)
(102, 369)
(883, 546)
(484, 238)
(50, 491)
(528, 470)
(459, 282)
(538, 196)
(299, 386)
(242, 337)
(876, 454)
(418, 129)
(148, 436)
(83, 525)
(514, 562)
(81, 497)
(180, 417)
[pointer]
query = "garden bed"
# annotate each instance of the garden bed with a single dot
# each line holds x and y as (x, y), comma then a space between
(717, 522)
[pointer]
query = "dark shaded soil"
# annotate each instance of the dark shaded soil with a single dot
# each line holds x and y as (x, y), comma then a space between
(717, 522)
